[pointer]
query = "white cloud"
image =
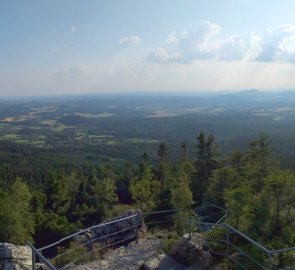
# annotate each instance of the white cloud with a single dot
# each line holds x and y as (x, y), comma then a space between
(160, 55)
(172, 38)
(278, 44)
(188, 46)
(132, 40)
(73, 28)
(204, 42)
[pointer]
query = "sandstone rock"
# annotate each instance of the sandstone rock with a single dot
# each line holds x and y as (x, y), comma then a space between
(13, 257)
(192, 251)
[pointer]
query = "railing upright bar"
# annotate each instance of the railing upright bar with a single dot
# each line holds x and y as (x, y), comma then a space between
(44, 260)
(227, 249)
(33, 259)
(269, 261)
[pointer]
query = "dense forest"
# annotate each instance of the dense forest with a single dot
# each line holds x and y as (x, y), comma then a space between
(69, 163)
(251, 184)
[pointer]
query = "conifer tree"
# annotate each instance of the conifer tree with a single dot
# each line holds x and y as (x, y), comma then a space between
(182, 200)
(205, 163)
(143, 188)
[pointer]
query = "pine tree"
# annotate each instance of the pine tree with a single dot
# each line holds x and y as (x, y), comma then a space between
(143, 188)
(161, 169)
(258, 162)
(182, 200)
(205, 163)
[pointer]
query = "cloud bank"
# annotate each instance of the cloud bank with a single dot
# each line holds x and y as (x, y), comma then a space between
(205, 42)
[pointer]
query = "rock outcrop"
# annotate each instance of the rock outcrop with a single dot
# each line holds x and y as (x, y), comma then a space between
(13, 257)
(137, 255)
(189, 253)
(192, 251)
(146, 254)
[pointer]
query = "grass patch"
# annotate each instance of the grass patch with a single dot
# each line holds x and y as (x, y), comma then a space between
(48, 122)
(59, 127)
(277, 118)
(168, 241)
(163, 113)
(75, 251)
(11, 136)
(137, 140)
(89, 115)
(111, 142)
(100, 136)
(35, 128)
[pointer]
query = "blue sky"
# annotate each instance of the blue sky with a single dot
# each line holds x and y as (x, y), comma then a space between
(70, 46)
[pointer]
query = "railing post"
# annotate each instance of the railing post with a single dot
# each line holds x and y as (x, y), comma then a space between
(227, 249)
(136, 228)
(92, 237)
(269, 261)
(190, 228)
(33, 259)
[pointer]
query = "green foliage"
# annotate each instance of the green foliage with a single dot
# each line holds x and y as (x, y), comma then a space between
(218, 236)
(258, 162)
(16, 219)
(69, 193)
(168, 241)
(239, 201)
(143, 188)
(182, 200)
(222, 179)
(278, 197)
(205, 163)
(104, 198)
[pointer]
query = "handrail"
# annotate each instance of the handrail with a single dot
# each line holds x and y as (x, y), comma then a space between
(49, 264)
(216, 206)
(266, 251)
(93, 240)
(229, 229)
(247, 255)
(246, 237)
(278, 251)
(85, 230)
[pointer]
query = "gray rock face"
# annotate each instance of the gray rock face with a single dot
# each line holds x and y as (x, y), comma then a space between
(132, 257)
(145, 254)
(192, 251)
(14, 257)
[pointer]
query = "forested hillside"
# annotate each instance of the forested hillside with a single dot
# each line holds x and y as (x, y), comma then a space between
(250, 184)
(69, 163)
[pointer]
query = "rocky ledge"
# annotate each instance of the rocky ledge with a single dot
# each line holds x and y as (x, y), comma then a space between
(146, 254)
(14, 257)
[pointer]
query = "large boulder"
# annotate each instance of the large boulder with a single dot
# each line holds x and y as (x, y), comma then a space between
(192, 251)
(13, 257)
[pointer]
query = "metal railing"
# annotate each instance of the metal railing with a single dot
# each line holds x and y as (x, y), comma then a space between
(85, 248)
(236, 255)
(234, 246)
